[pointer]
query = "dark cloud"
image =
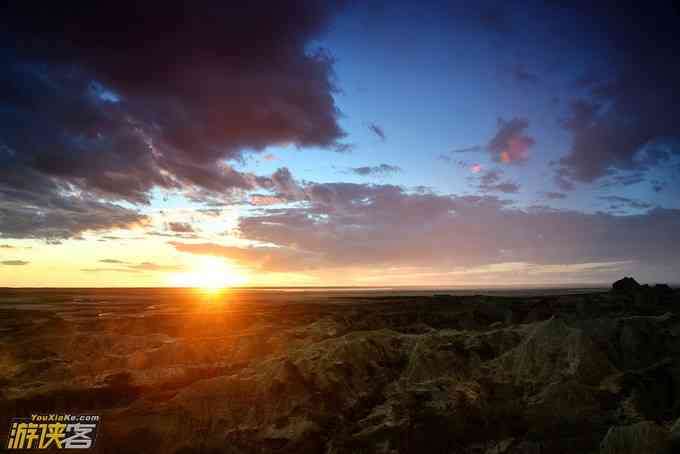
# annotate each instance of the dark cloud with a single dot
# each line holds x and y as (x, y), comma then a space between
(626, 121)
(336, 224)
(14, 262)
(283, 183)
(340, 223)
(114, 261)
(490, 181)
(6, 246)
(378, 131)
(47, 211)
(625, 179)
(617, 202)
(506, 187)
(555, 195)
(382, 169)
(623, 103)
(180, 227)
(490, 177)
(511, 144)
(103, 103)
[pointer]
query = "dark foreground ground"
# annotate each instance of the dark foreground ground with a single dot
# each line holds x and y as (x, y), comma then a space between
(177, 372)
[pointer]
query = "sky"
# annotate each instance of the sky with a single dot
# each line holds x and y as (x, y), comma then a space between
(320, 143)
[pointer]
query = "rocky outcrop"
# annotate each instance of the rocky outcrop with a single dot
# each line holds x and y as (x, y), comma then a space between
(675, 435)
(554, 352)
(626, 285)
(642, 438)
(663, 289)
(643, 294)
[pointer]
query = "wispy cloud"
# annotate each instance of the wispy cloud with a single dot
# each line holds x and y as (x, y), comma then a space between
(180, 227)
(472, 149)
(382, 169)
(490, 181)
(14, 262)
(378, 131)
(618, 202)
(112, 261)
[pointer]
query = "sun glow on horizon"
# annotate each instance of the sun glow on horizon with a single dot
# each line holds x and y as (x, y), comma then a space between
(210, 275)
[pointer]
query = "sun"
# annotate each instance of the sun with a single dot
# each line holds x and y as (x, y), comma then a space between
(210, 275)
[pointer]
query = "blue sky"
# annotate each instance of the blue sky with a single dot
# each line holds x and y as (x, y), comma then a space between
(433, 87)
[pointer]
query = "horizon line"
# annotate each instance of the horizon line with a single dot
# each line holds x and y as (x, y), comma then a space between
(359, 287)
